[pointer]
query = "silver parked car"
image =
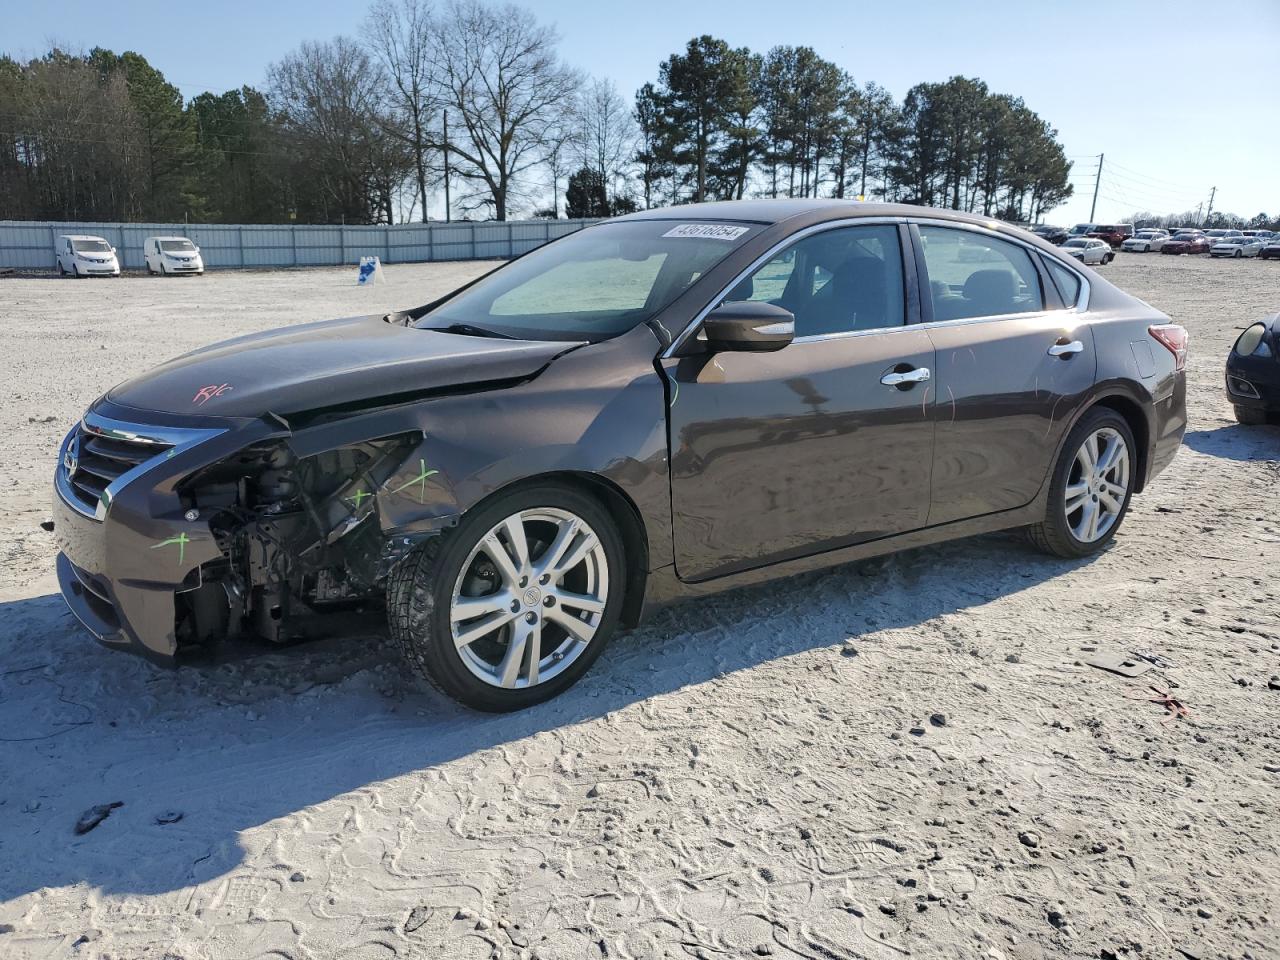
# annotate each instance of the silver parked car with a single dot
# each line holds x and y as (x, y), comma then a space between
(1088, 250)
(1145, 241)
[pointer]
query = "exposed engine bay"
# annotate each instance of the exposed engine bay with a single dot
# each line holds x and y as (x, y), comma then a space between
(299, 538)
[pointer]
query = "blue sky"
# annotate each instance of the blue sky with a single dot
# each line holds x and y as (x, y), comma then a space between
(1181, 96)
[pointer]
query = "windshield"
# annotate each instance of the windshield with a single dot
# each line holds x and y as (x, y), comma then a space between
(90, 246)
(1082, 228)
(593, 284)
(177, 246)
(1076, 243)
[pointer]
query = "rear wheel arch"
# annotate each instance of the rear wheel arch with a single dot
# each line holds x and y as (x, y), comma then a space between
(1115, 396)
(1134, 416)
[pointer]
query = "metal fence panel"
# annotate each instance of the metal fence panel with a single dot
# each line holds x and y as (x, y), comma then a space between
(28, 245)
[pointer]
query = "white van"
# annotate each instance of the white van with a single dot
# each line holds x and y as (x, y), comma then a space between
(172, 255)
(85, 256)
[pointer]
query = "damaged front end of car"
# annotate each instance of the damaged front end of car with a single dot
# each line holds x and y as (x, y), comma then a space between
(174, 538)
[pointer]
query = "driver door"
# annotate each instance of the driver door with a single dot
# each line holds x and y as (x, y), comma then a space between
(778, 455)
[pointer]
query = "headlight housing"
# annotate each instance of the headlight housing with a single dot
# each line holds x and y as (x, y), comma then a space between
(1253, 343)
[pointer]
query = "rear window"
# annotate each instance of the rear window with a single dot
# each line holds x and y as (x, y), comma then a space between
(978, 275)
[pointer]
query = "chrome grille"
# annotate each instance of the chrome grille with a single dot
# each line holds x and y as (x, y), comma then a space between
(101, 455)
(93, 460)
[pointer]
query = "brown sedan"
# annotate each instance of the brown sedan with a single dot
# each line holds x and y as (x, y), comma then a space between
(659, 407)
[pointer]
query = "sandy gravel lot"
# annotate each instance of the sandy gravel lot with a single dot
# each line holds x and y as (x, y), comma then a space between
(905, 757)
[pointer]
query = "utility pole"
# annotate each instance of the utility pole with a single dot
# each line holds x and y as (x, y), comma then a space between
(1096, 183)
(1209, 213)
(446, 166)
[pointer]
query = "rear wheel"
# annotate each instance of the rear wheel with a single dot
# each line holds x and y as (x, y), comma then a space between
(514, 605)
(1250, 416)
(1090, 487)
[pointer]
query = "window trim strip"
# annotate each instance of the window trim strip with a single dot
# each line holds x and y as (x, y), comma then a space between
(926, 302)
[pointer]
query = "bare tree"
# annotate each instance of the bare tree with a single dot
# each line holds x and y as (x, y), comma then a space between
(608, 140)
(400, 34)
(330, 98)
(74, 146)
(562, 146)
(496, 70)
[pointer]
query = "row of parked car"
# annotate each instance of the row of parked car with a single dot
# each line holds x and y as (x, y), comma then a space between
(85, 256)
(1096, 243)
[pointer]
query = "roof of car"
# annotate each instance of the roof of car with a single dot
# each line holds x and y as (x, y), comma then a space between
(160, 236)
(775, 211)
(79, 236)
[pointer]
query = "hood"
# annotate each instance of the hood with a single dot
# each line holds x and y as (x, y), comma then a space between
(329, 364)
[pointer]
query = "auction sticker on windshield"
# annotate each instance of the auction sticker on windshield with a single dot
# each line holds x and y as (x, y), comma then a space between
(707, 231)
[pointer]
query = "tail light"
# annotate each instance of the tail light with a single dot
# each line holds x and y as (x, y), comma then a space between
(1174, 339)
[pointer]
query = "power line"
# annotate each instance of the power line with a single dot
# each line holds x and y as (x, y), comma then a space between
(1145, 176)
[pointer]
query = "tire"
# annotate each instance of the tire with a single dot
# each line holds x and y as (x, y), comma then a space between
(62, 271)
(1108, 258)
(480, 673)
(75, 269)
(1250, 416)
(1238, 254)
(1057, 534)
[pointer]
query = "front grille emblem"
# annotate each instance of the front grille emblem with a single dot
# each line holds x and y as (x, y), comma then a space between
(71, 459)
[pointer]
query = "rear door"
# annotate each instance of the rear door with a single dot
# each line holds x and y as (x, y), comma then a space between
(1012, 364)
(779, 455)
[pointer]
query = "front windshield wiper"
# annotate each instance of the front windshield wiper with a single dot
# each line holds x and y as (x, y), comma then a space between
(470, 330)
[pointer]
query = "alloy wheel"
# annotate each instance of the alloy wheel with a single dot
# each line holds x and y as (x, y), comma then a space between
(529, 598)
(1097, 485)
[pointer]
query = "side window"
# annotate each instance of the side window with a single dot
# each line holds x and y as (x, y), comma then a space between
(836, 281)
(978, 275)
(1067, 281)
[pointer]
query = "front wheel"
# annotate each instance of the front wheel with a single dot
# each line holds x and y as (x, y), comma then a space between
(514, 605)
(1238, 254)
(1090, 487)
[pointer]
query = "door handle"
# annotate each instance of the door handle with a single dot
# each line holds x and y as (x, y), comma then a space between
(1066, 350)
(895, 379)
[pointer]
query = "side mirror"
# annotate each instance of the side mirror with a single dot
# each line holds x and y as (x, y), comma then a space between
(749, 325)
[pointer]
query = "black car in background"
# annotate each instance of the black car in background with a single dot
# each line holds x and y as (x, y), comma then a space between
(1271, 251)
(1253, 372)
(1051, 234)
